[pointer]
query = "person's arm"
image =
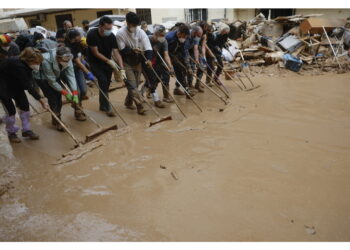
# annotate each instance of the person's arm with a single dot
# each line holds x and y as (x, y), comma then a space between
(209, 51)
(80, 65)
(167, 60)
(118, 58)
(47, 71)
(70, 76)
(196, 53)
(97, 54)
(146, 45)
(204, 45)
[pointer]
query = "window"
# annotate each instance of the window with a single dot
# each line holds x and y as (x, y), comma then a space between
(61, 18)
(103, 13)
(144, 15)
(192, 15)
(275, 12)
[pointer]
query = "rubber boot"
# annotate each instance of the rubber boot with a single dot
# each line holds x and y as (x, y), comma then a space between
(26, 131)
(11, 128)
(79, 113)
(198, 86)
(178, 91)
(128, 103)
(190, 93)
(56, 124)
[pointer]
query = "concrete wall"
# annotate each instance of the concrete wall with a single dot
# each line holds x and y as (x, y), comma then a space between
(162, 15)
(243, 14)
(78, 16)
(220, 14)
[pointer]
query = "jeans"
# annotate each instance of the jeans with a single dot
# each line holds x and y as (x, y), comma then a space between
(103, 73)
(81, 82)
(152, 80)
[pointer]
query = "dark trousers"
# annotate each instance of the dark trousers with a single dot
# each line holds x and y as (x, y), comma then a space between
(54, 97)
(210, 61)
(103, 73)
(20, 99)
(152, 80)
(180, 73)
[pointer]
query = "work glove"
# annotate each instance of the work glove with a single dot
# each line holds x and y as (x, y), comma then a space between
(43, 102)
(68, 96)
(149, 64)
(112, 64)
(75, 98)
(90, 76)
(122, 74)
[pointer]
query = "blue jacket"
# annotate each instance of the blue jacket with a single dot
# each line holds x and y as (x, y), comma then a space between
(177, 49)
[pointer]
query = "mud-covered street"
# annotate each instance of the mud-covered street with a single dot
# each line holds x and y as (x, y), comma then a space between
(272, 165)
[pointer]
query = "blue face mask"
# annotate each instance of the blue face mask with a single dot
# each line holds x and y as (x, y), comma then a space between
(197, 39)
(107, 32)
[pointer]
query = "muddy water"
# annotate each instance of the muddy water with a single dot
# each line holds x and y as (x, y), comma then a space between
(272, 166)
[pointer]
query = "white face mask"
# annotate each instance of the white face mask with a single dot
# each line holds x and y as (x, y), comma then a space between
(182, 40)
(35, 67)
(161, 39)
(6, 48)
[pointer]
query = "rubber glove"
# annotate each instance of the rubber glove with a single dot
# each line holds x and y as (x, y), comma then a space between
(67, 95)
(149, 64)
(75, 97)
(90, 76)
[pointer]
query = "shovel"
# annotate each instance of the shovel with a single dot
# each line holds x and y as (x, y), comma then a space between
(101, 130)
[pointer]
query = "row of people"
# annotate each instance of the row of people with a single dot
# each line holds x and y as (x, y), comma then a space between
(184, 52)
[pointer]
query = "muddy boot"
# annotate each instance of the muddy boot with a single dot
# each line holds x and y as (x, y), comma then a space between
(138, 102)
(208, 82)
(140, 109)
(13, 138)
(190, 93)
(198, 86)
(30, 135)
(166, 96)
(157, 102)
(110, 113)
(128, 103)
(56, 124)
(79, 113)
(178, 91)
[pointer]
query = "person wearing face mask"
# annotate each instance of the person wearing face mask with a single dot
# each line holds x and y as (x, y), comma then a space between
(16, 77)
(133, 42)
(179, 53)
(102, 47)
(159, 45)
(7, 47)
(216, 42)
(192, 48)
(56, 67)
(73, 42)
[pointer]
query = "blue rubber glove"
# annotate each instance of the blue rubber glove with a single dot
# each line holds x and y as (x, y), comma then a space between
(90, 76)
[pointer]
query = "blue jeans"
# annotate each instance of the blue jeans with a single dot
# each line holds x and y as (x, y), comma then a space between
(81, 82)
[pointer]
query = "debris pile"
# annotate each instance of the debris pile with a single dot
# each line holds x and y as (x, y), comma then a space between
(291, 42)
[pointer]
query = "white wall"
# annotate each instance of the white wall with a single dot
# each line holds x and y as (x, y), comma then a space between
(220, 14)
(159, 15)
(243, 14)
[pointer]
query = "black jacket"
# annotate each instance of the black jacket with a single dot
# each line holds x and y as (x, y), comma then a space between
(16, 76)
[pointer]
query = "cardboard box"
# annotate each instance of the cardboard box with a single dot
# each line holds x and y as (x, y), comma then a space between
(314, 25)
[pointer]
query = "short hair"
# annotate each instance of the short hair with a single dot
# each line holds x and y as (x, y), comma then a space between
(132, 18)
(143, 23)
(67, 21)
(62, 51)
(196, 28)
(183, 29)
(105, 20)
(72, 33)
(31, 55)
(158, 29)
(85, 22)
(222, 27)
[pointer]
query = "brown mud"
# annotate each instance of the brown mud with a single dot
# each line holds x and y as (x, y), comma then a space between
(273, 165)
